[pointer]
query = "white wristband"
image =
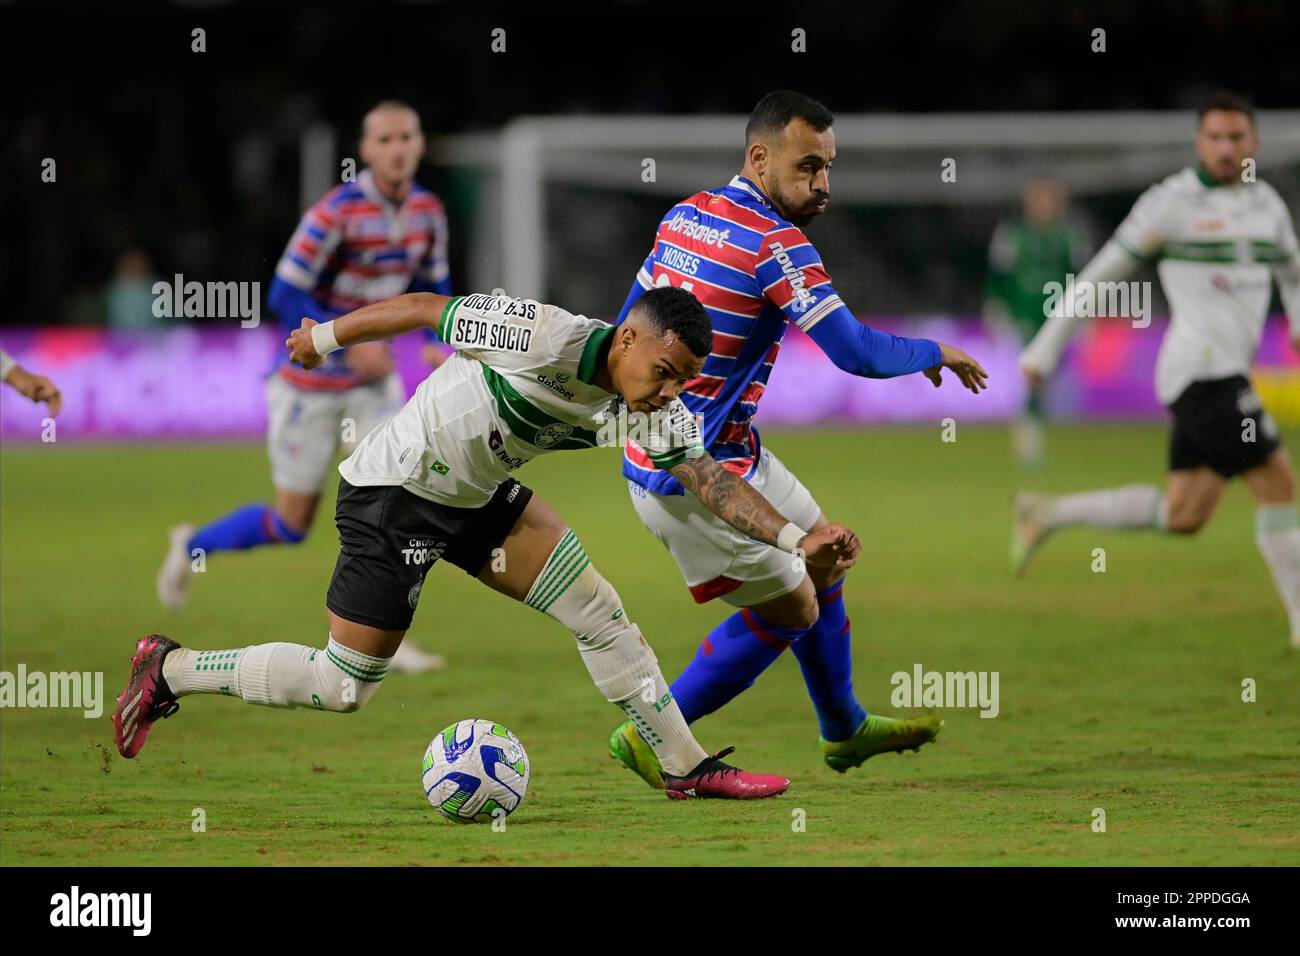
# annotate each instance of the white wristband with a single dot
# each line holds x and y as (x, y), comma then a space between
(790, 536)
(323, 340)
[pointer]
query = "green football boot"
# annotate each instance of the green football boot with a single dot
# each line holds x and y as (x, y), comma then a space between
(625, 744)
(878, 735)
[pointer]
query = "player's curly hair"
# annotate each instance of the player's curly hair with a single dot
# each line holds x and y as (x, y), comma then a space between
(677, 311)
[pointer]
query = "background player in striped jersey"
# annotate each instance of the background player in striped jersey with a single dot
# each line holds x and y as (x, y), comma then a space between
(436, 481)
(365, 241)
(1220, 240)
(742, 252)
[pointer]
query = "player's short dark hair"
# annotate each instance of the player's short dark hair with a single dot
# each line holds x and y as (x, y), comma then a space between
(1227, 101)
(386, 105)
(775, 111)
(675, 310)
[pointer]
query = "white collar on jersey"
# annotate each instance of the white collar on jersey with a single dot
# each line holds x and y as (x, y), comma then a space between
(395, 213)
(740, 182)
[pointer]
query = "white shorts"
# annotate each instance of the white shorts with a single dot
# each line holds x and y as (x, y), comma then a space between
(717, 560)
(306, 429)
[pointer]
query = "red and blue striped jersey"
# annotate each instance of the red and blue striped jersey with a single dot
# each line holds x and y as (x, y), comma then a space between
(354, 247)
(754, 272)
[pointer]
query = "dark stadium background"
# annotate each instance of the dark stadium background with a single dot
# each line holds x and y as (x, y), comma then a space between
(147, 134)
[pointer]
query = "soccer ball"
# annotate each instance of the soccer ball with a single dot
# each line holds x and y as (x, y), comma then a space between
(475, 771)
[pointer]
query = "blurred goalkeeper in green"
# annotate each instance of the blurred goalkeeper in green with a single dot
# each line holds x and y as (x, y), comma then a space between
(1027, 253)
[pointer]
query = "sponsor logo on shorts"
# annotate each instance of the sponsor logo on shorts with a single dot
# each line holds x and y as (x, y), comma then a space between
(513, 494)
(552, 434)
(423, 551)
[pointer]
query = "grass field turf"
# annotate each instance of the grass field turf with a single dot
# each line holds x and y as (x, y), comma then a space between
(1119, 690)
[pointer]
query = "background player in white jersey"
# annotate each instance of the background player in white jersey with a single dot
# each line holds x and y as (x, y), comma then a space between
(1219, 239)
(435, 481)
(36, 387)
(365, 241)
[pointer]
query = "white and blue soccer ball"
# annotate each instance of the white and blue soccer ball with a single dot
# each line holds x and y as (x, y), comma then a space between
(475, 771)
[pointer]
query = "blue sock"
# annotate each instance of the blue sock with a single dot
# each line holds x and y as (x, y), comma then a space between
(731, 657)
(827, 664)
(248, 527)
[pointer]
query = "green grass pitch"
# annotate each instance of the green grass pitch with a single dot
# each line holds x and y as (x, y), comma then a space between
(1120, 690)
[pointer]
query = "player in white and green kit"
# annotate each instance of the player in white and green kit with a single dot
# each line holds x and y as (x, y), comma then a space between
(1221, 239)
(436, 481)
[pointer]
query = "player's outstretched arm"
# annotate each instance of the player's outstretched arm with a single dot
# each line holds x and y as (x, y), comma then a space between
(733, 500)
(36, 387)
(1040, 357)
(968, 371)
(312, 341)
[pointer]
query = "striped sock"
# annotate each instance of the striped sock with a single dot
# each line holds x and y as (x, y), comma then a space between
(562, 568)
(336, 678)
(620, 662)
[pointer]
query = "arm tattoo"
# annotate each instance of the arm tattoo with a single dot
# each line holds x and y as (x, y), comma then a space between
(730, 497)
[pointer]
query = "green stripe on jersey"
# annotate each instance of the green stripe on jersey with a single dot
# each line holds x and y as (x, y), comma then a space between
(591, 352)
(526, 419)
(671, 459)
(1215, 252)
(448, 318)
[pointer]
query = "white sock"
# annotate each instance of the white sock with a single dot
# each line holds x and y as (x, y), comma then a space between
(1277, 532)
(335, 678)
(1131, 506)
(621, 663)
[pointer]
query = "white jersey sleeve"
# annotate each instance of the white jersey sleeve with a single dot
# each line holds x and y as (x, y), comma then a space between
(1286, 267)
(1112, 263)
(1138, 239)
(674, 436)
(500, 330)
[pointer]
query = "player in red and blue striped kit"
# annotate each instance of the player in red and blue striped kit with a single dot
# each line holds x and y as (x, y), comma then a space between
(365, 241)
(742, 251)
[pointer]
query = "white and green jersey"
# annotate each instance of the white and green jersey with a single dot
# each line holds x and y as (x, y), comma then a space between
(520, 383)
(1218, 248)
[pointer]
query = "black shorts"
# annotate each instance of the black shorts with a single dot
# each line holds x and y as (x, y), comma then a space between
(389, 538)
(1222, 425)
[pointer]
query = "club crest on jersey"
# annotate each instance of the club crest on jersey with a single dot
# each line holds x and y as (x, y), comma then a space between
(550, 435)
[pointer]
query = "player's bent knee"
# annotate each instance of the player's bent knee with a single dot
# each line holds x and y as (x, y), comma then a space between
(584, 602)
(1186, 521)
(340, 687)
(796, 610)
